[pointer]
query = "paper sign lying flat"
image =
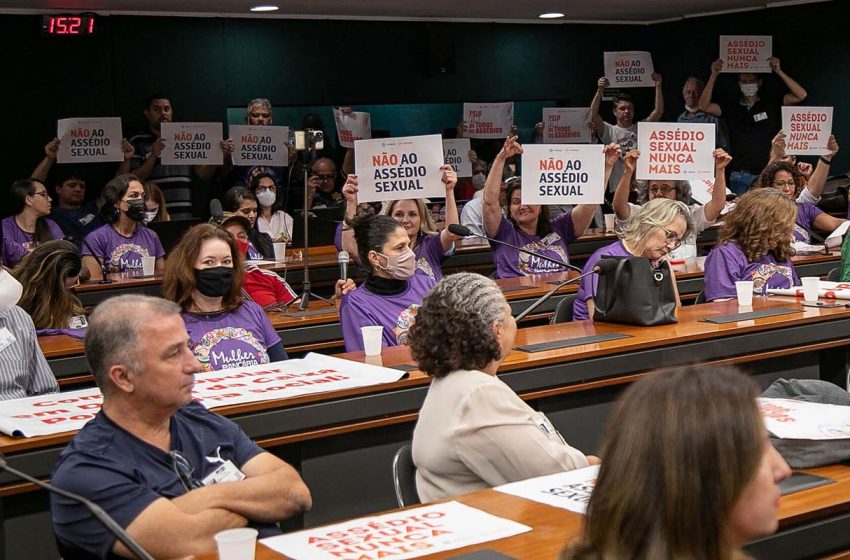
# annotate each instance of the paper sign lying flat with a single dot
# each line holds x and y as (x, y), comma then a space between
(792, 419)
(828, 290)
(566, 490)
(399, 535)
(315, 373)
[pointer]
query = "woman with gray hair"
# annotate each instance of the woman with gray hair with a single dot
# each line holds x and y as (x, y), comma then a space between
(702, 215)
(473, 431)
(657, 228)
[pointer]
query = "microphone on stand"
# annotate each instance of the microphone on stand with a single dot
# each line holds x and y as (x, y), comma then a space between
(342, 258)
(463, 231)
(104, 270)
(97, 511)
(817, 238)
(550, 293)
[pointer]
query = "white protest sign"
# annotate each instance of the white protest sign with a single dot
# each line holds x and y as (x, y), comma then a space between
(352, 127)
(562, 125)
(792, 419)
(191, 143)
(566, 490)
(49, 414)
(399, 168)
(260, 145)
(807, 130)
(456, 154)
(826, 290)
(701, 190)
(628, 69)
(563, 174)
(315, 373)
(399, 535)
(746, 53)
(488, 120)
(675, 151)
(89, 140)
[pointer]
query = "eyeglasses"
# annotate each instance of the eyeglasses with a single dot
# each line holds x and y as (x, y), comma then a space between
(184, 469)
(673, 239)
(325, 177)
(264, 189)
(785, 184)
(663, 189)
(41, 193)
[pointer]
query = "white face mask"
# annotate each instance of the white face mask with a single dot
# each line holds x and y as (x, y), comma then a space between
(749, 90)
(10, 291)
(150, 215)
(266, 197)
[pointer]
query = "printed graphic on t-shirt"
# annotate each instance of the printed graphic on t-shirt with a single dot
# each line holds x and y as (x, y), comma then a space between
(229, 347)
(405, 320)
(423, 265)
(532, 264)
(764, 272)
(128, 256)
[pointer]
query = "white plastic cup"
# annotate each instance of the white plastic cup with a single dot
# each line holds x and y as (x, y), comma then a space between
(279, 252)
(148, 265)
(744, 288)
(811, 288)
(372, 339)
(236, 544)
(609, 222)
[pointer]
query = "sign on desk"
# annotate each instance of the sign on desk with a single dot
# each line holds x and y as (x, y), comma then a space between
(399, 535)
(566, 490)
(315, 373)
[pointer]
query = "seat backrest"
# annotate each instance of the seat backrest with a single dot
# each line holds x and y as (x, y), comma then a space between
(834, 275)
(700, 297)
(404, 477)
(564, 310)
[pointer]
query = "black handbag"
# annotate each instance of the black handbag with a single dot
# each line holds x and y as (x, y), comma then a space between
(631, 291)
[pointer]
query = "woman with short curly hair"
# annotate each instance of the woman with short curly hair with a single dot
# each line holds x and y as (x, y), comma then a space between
(754, 244)
(473, 431)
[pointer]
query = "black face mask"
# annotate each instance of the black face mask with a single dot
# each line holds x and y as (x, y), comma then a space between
(136, 209)
(214, 282)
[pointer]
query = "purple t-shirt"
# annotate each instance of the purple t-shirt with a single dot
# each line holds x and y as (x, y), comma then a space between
(806, 214)
(17, 242)
(361, 308)
(123, 254)
(511, 263)
(236, 339)
(587, 285)
(430, 256)
(727, 264)
(338, 237)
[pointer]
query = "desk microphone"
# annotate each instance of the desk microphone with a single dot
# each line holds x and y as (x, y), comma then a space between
(104, 270)
(97, 511)
(342, 258)
(817, 238)
(596, 270)
(463, 231)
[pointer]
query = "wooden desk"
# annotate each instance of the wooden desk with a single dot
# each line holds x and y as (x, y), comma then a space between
(357, 431)
(811, 523)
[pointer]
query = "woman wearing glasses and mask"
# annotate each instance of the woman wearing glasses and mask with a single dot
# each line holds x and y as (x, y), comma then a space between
(204, 276)
(392, 292)
(702, 215)
(123, 241)
(29, 225)
(657, 228)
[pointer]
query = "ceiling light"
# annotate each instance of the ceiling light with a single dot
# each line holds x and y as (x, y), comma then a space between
(265, 8)
(551, 15)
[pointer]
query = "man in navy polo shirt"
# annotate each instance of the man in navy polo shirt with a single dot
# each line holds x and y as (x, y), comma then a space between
(165, 468)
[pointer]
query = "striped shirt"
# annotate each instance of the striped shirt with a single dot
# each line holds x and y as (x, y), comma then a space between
(23, 370)
(175, 181)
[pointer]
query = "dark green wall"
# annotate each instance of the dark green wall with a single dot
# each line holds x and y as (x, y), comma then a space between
(207, 65)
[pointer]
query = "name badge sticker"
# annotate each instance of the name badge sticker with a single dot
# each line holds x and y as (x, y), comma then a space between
(6, 338)
(225, 472)
(758, 117)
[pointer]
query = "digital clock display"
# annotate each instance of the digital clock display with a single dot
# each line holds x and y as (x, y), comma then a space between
(69, 25)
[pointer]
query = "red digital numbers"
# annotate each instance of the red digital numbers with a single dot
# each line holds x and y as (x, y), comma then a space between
(69, 25)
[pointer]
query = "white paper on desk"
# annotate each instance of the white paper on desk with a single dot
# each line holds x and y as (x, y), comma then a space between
(566, 490)
(834, 239)
(260, 262)
(828, 290)
(314, 373)
(803, 247)
(399, 535)
(792, 419)
(49, 414)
